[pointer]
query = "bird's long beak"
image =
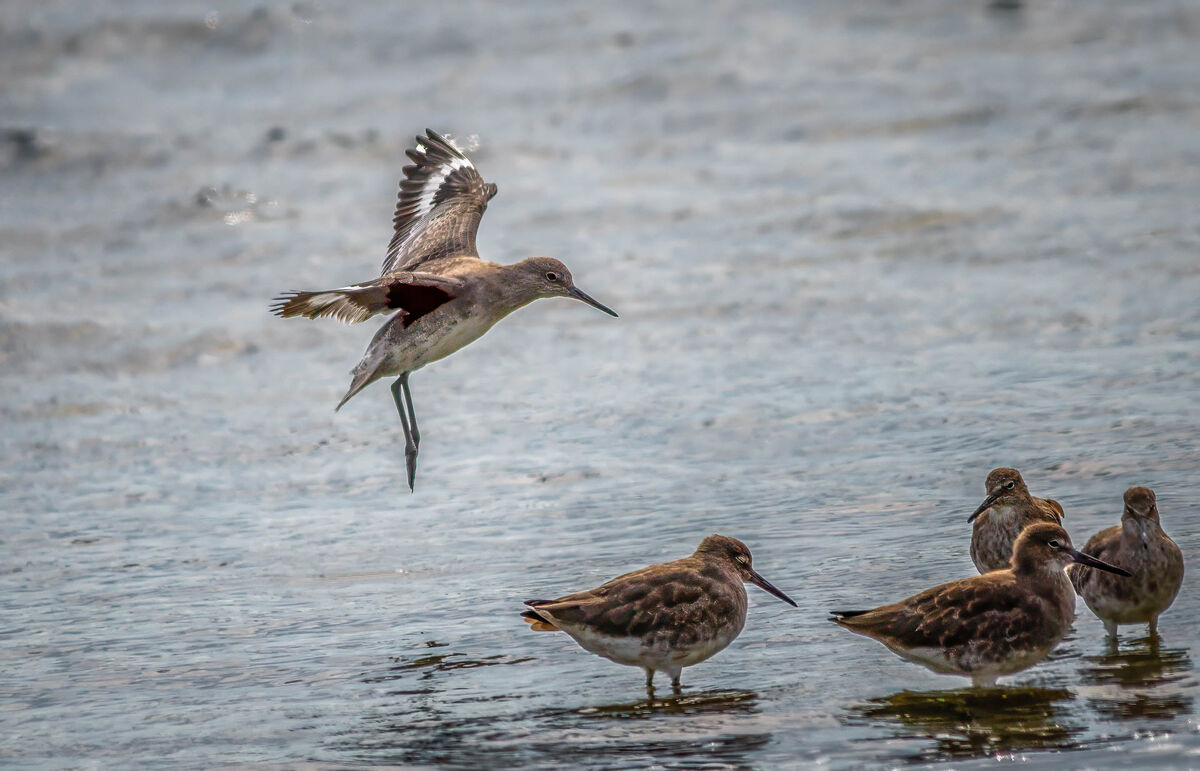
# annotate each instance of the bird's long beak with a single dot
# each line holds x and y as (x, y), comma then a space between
(763, 583)
(1087, 559)
(987, 502)
(579, 294)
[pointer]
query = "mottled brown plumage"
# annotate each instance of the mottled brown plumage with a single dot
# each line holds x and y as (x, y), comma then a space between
(443, 296)
(1140, 546)
(664, 617)
(989, 625)
(1004, 514)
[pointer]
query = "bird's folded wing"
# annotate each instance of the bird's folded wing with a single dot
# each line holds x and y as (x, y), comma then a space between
(635, 604)
(442, 198)
(945, 616)
(1053, 508)
(413, 293)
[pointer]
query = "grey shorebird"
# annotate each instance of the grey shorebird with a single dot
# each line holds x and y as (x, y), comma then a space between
(1004, 514)
(441, 294)
(1140, 546)
(989, 625)
(664, 617)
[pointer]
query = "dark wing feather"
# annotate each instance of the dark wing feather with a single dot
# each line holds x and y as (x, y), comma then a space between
(672, 598)
(945, 616)
(1051, 507)
(442, 198)
(414, 294)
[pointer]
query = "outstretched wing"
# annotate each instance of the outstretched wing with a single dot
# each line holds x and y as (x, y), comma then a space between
(413, 294)
(442, 198)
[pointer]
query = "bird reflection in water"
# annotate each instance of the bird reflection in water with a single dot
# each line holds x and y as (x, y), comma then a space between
(1139, 679)
(419, 722)
(975, 722)
(685, 730)
(713, 702)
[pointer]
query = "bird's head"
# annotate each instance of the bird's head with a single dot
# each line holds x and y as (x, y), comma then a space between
(734, 554)
(1046, 544)
(547, 277)
(1004, 487)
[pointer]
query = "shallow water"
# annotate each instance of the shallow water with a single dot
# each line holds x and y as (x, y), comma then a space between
(862, 253)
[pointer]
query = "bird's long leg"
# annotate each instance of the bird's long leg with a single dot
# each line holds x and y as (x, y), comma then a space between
(650, 681)
(410, 446)
(412, 416)
(676, 686)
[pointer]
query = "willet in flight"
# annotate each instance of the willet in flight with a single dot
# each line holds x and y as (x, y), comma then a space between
(1004, 514)
(990, 625)
(444, 296)
(1140, 546)
(664, 617)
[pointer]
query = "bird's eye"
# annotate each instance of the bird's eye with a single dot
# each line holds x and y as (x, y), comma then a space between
(742, 558)
(552, 276)
(1055, 544)
(1009, 485)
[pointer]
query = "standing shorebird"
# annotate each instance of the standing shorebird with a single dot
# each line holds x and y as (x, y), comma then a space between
(445, 295)
(1139, 545)
(1004, 514)
(990, 625)
(664, 617)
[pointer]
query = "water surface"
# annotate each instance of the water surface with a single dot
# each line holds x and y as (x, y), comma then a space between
(863, 253)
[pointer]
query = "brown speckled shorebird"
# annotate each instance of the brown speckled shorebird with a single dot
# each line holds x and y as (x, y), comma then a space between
(664, 617)
(1140, 546)
(1004, 514)
(445, 295)
(990, 625)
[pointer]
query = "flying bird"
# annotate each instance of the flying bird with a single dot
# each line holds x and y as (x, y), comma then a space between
(440, 294)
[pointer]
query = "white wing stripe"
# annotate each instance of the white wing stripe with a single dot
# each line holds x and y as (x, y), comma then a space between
(431, 186)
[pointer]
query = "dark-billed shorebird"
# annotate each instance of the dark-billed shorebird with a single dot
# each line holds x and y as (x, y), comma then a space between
(443, 295)
(664, 617)
(1004, 514)
(1140, 546)
(990, 625)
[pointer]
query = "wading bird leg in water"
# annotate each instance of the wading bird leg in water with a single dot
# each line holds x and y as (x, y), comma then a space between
(410, 446)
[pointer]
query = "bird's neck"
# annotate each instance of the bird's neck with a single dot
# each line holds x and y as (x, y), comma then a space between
(1138, 532)
(1050, 580)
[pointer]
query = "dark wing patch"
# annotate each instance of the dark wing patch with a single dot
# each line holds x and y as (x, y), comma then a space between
(442, 198)
(669, 599)
(416, 300)
(414, 294)
(950, 615)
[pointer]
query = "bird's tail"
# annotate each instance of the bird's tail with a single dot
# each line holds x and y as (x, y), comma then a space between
(839, 614)
(348, 304)
(363, 377)
(537, 623)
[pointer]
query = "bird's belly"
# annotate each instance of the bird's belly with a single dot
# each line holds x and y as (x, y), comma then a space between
(449, 335)
(623, 650)
(650, 652)
(974, 660)
(706, 648)
(1140, 602)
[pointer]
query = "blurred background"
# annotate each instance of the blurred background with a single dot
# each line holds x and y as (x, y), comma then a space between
(863, 252)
